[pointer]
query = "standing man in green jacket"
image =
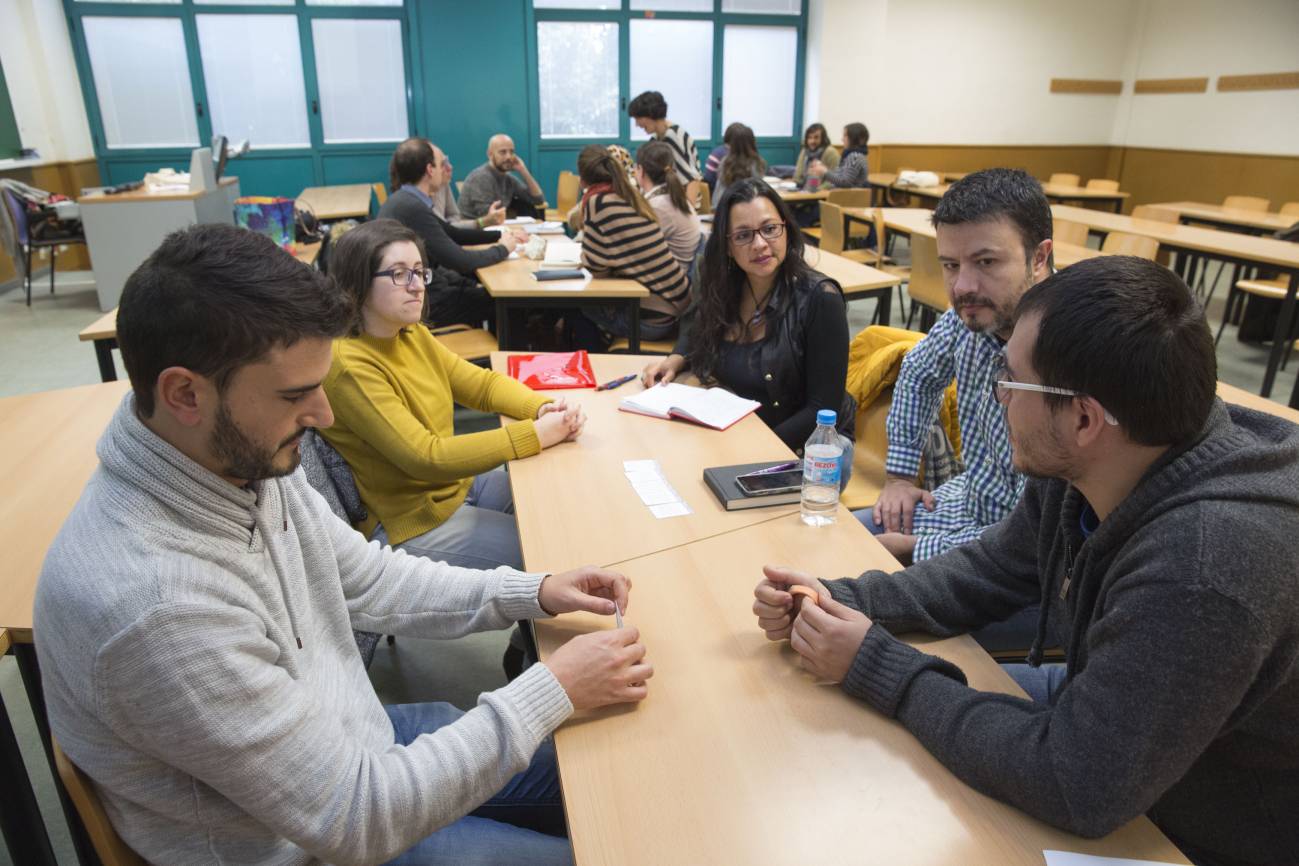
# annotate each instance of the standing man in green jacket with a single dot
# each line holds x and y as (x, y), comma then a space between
(1160, 534)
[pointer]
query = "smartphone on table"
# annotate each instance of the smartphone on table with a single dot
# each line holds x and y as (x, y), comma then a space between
(770, 483)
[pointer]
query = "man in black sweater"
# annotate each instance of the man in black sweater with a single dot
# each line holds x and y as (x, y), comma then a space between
(416, 175)
(1160, 534)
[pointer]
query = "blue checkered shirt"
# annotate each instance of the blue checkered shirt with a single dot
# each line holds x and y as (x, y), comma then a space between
(989, 487)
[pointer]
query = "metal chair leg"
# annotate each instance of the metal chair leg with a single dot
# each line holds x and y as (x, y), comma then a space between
(27, 274)
(1232, 295)
(54, 252)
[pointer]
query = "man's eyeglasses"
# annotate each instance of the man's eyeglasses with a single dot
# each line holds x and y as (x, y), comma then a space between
(1002, 385)
(402, 277)
(744, 237)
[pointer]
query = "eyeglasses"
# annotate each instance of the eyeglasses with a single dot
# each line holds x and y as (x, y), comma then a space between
(744, 237)
(1002, 385)
(402, 277)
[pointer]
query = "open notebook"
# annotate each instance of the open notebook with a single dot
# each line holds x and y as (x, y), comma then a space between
(711, 407)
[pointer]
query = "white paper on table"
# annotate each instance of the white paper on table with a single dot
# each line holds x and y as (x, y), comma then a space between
(546, 228)
(1070, 858)
(520, 221)
(674, 509)
(562, 253)
(655, 491)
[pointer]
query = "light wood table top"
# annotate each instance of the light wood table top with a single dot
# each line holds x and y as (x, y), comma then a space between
(575, 506)
(797, 195)
(739, 757)
(917, 221)
(1264, 221)
(143, 195)
(103, 328)
(1220, 244)
(47, 453)
(1241, 397)
(338, 202)
(512, 278)
(851, 276)
(1054, 191)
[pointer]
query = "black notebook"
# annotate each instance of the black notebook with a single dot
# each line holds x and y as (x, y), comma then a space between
(721, 480)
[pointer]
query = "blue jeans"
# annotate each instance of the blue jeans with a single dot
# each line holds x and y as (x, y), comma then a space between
(521, 824)
(1042, 683)
(481, 533)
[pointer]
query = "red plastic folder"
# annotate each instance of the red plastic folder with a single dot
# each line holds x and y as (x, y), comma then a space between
(552, 371)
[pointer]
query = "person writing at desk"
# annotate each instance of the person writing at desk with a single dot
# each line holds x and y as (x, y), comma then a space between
(393, 387)
(194, 615)
(1159, 534)
(766, 326)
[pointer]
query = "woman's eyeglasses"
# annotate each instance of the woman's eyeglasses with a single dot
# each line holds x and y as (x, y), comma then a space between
(744, 237)
(402, 277)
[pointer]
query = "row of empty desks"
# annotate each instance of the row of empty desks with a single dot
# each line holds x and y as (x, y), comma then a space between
(917, 221)
(1054, 191)
(1229, 218)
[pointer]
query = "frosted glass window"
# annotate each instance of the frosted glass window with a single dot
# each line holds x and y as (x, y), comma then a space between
(758, 70)
(137, 2)
(252, 65)
(243, 2)
(675, 58)
(764, 7)
(362, 79)
(577, 71)
(674, 5)
(142, 81)
(346, 2)
(576, 4)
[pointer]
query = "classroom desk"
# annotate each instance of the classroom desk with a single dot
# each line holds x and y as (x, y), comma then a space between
(511, 285)
(102, 333)
(1241, 397)
(917, 220)
(794, 196)
(1210, 244)
(1054, 192)
(856, 279)
(1229, 218)
(47, 453)
(562, 485)
(346, 201)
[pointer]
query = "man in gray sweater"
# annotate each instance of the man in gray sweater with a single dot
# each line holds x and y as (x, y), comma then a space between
(194, 616)
(493, 184)
(1160, 533)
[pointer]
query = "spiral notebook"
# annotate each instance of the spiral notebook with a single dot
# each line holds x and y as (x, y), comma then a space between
(711, 407)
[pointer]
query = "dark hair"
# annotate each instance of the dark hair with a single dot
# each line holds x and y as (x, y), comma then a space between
(409, 162)
(596, 165)
(858, 136)
(721, 281)
(1127, 332)
(214, 298)
(357, 256)
(825, 136)
(742, 160)
(648, 104)
(994, 193)
(730, 132)
(656, 159)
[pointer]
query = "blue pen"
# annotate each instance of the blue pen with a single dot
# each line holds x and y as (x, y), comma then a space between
(622, 380)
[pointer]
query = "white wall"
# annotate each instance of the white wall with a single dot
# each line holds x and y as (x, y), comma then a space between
(36, 51)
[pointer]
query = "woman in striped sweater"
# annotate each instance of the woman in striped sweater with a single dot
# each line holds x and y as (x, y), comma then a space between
(621, 237)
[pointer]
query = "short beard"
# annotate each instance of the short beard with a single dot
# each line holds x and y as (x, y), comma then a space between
(243, 458)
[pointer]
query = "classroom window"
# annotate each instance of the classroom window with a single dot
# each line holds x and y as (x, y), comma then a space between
(763, 7)
(396, 3)
(137, 2)
(243, 2)
(673, 5)
(575, 4)
(675, 57)
(362, 78)
(758, 74)
(252, 68)
(141, 77)
(577, 72)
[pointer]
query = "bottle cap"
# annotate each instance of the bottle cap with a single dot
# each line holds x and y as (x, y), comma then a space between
(827, 417)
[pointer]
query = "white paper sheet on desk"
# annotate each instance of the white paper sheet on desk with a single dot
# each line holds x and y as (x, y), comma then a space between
(562, 253)
(554, 227)
(648, 482)
(520, 221)
(1070, 858)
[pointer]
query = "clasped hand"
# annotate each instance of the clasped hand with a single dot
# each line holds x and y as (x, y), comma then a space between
(826, 635)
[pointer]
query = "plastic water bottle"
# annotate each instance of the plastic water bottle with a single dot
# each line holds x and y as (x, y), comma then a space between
(821, 461)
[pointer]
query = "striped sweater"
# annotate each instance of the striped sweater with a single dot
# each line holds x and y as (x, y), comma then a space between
(685, 157)
(617, 241)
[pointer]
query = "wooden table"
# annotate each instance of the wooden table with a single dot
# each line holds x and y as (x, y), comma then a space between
(346, 201)
(1209, 244)
(47, 453)
(511, 285)
(1241, 397)
(856, 279)
(917, 221)
(575, 486)
(102, 333)
(1229, 218)
(1054, 191)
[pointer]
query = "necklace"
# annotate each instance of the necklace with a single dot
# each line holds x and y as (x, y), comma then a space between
(758, 309)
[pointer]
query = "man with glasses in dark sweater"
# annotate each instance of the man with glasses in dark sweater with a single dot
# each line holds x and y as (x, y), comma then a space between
(1159, 532)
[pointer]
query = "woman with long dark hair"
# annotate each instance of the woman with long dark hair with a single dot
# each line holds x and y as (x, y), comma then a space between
(657, 179)
(816, 148)
(766, 325)
(852, 170)
(741, 161)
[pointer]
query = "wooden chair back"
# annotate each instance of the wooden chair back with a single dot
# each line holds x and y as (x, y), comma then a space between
(1069, 232)
(1158, 214)
(566, 194)
(831, 227)
(1061, 178)
(109, 846)
(1100, 183)
(852, 197)
(1246, 202)
(868, 477)
(927, 285)
(1290, 208)
(1124, 244)
(881, 240)
(705, 199)
(380, 193)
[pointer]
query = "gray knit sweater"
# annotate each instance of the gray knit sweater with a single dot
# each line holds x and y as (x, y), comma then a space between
(196, 640)
(1180, 622)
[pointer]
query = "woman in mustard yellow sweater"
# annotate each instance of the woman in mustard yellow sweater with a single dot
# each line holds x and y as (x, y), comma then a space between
(393, 387)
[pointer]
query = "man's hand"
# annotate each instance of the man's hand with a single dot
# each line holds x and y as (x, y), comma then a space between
(664, 370)
(602, 668)
(903, 547)
(519, 166)
(817, 168)
(555, 427)
(591, 589)
(896, 506)
(495, 214)
(509, 240)
(827, 636)
(773, 604)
